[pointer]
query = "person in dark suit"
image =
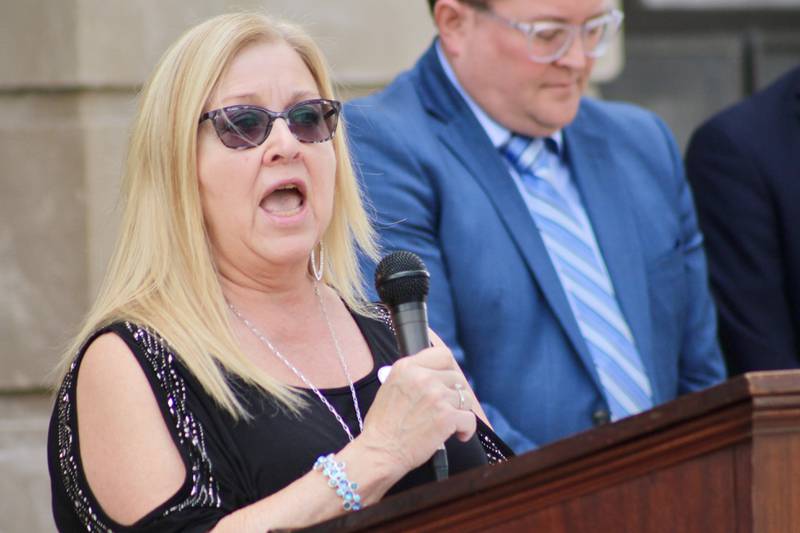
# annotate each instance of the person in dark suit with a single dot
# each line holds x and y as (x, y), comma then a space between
(567, 270)
(744, 165)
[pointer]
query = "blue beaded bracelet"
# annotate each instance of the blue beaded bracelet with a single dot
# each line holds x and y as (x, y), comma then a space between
(337, 479)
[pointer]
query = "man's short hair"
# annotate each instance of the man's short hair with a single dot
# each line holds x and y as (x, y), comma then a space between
(476, 3)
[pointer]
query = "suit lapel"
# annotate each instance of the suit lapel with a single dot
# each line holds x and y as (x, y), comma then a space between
(462, 135)
(610, 209)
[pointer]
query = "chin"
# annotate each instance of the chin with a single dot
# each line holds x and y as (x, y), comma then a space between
(564, 115)
(553, 113)
(288, 250)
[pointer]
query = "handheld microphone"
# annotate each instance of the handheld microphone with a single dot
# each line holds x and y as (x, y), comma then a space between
(402, 283)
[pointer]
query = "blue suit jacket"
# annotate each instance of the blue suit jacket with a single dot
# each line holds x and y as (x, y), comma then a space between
(439, 188)
(744, 165)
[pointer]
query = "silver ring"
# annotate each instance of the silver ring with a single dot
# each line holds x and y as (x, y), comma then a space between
(460, 390)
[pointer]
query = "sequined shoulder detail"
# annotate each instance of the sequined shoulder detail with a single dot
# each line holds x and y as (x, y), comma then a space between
(493, 452)
(495, 449)
(381, 313)
(189, 432)
(67, 460)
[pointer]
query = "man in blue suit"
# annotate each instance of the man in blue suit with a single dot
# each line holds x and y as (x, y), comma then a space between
(567, 273)
(744, 165)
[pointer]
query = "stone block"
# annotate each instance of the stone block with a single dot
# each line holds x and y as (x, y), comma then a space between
(367, 42)
(25, 483)
(106, 119)
(37, 44)
(42, 234)
(119, 42)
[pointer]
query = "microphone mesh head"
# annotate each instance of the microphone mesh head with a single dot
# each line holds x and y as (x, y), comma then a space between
(401, 277)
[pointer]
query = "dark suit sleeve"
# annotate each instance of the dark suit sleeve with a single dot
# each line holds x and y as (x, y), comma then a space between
(403, 204)
(743, 245)
(701, 364)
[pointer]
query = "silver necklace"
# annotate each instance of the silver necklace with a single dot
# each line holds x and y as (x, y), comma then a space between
(263, 338)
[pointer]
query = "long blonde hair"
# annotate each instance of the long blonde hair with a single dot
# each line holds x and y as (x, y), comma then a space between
(162, 273)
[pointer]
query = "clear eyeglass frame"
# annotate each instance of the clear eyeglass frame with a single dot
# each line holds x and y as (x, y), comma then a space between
(550, 40)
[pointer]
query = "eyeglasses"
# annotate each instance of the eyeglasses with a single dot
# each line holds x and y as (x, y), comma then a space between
(247, 126)
(550, 40)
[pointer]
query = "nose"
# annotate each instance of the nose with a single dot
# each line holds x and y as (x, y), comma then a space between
(575, 56)
(281, 144)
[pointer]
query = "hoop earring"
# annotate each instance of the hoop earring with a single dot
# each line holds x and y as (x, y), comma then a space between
(317, 273)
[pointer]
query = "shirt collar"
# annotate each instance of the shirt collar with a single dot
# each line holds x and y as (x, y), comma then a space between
(498, 134)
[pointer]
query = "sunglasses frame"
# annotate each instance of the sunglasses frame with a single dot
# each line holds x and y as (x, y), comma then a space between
(336, 108)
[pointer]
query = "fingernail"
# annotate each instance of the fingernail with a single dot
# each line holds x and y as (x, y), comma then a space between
(383, 373)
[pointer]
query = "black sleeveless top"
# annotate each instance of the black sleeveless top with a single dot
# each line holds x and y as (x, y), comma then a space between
(229, 464)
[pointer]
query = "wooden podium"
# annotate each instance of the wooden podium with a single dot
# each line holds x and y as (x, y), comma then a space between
(726, 459)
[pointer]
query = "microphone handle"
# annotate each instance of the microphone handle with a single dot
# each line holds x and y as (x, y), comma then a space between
(411, 328)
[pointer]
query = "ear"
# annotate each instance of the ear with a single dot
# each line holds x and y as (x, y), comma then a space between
(453, 19)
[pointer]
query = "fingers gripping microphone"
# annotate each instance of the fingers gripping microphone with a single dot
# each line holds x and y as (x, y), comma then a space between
(402, 283)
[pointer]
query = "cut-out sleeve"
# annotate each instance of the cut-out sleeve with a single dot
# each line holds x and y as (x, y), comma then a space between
(196, 506)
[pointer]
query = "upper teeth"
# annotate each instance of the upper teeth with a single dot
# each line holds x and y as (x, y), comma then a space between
(283, 187)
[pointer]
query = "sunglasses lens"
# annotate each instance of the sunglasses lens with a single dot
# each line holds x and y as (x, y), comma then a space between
(314, 121)
(242, 128)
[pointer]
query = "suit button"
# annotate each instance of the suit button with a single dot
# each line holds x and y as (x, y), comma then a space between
(600, 417)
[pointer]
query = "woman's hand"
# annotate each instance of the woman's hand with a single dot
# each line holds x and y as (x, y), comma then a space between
(418, 408)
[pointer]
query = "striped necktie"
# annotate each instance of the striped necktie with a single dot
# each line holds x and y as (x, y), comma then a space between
(571, 246)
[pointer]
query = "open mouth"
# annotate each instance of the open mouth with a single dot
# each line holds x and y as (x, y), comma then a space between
(285, 201)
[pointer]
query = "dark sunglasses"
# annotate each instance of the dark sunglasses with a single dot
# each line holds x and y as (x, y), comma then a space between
(246, 126)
